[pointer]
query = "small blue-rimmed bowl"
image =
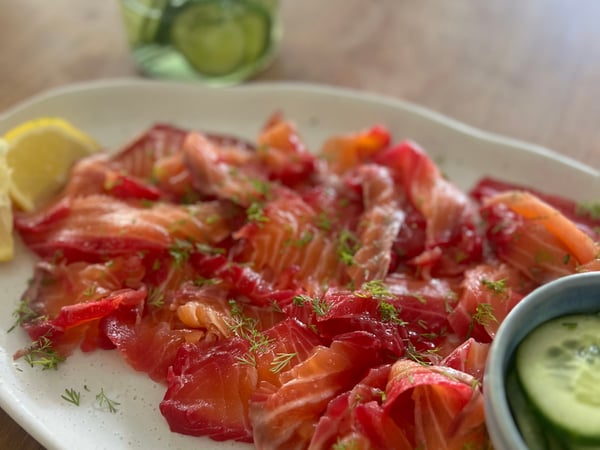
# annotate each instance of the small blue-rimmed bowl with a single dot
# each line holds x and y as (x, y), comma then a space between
(573, 294)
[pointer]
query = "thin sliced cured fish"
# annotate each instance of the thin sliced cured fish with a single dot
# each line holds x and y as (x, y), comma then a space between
(292, 297)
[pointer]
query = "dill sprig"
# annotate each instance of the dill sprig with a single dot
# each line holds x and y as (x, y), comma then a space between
(246, 328)
(319, 306)
(348, 245)
(323, 222)
(72, 396)
(281, 360)
(389, 313)
(105, 402)
(375, 289)
(423, 358)
(247, 359)
(209, 249)
(484, 314)
(256, 213)
(42, 354)
(22, 314)
(497, 287)
(180, 251)
(156, 297)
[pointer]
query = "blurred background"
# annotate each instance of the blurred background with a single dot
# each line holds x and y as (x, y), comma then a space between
(529, 69)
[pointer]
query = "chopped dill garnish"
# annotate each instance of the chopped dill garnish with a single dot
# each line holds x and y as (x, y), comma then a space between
(104, 401)
(497, 287)
(236, 309)
(72, 396)
(375, 289)
(247, 359)
(256, 213)
(180, 251)
(305, 239)
(389, 313)
(201, 281)
(246, 328)
(210, 220)
(89, 291)
(420, 297)
(319, 306)
(208, 249)
(484, 314)
(422, 358)
(300, 300)
(323, 222)
(156, 297)
(262, 187)
(348, 245)
(22, 314)
(41, 354)
(281, 360)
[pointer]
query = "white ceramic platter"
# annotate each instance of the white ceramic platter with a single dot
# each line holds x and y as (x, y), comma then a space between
(115, 111)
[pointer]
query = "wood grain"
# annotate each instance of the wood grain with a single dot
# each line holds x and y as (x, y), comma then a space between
(529, 70)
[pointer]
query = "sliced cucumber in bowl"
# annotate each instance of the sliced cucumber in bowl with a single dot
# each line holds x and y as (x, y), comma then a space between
(558, 367)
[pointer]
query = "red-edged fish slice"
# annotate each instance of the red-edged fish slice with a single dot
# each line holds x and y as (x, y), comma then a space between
(469, 357)
(285, 417)
(96, 174)
(356, 418)
(346, 312)
(138, 157)
(242, 280)
(424, 305)
(209, 391)
(54, 286)
(145, 343)
(70, 326)
(437, 407)
(96, 227)
(214, 173)
(488, 293)
(379, 225)
(287, 239)
(345, 152)
(550, 226)
(173, 177)
(282, 153)
(452, 240)
(529, 246)
(290, 343)
(488, 187)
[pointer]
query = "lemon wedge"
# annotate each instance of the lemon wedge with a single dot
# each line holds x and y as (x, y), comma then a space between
(40, 154)
(6, 218)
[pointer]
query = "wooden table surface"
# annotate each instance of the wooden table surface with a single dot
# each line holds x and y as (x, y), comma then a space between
(526, 69)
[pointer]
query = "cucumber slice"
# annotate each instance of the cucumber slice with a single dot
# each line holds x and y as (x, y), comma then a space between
(219, 37)
(558, 365)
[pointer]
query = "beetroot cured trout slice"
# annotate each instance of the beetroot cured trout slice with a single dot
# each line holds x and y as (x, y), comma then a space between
(209, 391)
(99, 227)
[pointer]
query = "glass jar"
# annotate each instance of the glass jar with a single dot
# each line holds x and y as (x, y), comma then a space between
(220, 42)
